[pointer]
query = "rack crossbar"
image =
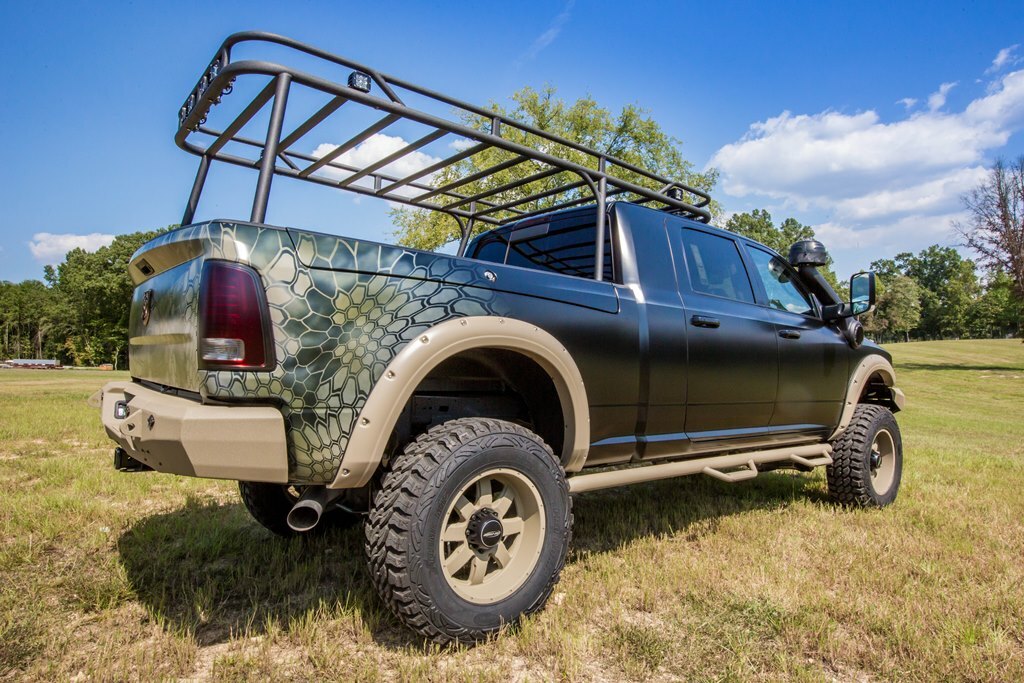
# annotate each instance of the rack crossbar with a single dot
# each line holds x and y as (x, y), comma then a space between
(590, 175)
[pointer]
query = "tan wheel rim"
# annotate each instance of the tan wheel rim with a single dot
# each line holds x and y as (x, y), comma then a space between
(481, 565)
(883, 462)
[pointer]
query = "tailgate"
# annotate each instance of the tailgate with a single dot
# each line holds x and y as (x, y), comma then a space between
(163, 324)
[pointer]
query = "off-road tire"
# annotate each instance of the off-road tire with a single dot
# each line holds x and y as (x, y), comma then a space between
(269, 505)
(414, 506)
(850, 480)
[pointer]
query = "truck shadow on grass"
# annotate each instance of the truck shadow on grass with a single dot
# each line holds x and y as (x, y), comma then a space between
(208, 570)
(942, 367)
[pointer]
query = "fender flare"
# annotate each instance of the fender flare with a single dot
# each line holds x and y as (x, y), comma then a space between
(380, 413)
(867, 367)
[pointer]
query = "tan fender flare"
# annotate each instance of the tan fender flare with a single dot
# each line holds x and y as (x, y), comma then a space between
(414, 362)
(869, 366)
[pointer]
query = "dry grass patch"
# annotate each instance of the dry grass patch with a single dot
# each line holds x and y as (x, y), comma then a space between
(107, 576)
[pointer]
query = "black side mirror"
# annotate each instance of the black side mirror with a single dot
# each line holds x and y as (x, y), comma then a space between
(862, 293)
(862, 299)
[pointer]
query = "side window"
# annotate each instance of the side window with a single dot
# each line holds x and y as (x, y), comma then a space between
(776, 275)
(556, 247)
(715, 266)
(492, 249)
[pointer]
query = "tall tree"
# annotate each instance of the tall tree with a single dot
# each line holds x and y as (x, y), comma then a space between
(995, 228)
(26, 315)
(899, 307)
(948, 284)
(93, 294)
(758, 225)
(631, 136)
(997, 312)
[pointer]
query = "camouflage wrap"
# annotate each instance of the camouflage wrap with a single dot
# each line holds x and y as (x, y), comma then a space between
(341, 309)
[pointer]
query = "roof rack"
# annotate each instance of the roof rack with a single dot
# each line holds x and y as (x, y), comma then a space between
(547, 172)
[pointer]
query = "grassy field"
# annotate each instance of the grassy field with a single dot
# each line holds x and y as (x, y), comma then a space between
(116, 576)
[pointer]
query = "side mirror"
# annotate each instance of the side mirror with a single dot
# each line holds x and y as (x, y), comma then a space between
(862, 293)
(862, 299)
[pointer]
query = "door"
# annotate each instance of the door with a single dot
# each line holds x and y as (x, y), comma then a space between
(813, 356)
(732, 365)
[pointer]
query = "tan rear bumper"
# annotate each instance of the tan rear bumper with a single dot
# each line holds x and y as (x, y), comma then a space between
(180, 436)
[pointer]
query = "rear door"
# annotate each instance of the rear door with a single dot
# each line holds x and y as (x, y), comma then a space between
(813, 356)
(732, 364)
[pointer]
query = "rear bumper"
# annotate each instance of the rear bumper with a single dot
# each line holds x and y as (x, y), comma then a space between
(179, 436)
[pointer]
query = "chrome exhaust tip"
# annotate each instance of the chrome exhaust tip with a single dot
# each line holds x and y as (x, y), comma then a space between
(306, 513)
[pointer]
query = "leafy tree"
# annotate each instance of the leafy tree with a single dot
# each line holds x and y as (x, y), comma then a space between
(948, 284)
(93, 295)
(631, 136)
(998, 311)
(758, 226)
(26, 318)
(899, 307)
(995, 228)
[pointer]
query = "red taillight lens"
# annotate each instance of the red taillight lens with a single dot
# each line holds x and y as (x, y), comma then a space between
(233, 329)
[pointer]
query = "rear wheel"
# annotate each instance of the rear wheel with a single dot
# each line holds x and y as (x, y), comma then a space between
(867, 459)
(470, 529)
(269, 505)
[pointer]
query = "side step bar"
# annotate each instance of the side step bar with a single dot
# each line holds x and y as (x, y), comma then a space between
(811, 456)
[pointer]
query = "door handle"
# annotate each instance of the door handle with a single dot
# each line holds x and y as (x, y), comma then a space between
(704, 321)
(789, 334)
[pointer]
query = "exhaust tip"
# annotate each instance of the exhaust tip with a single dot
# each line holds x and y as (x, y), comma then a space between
(304, 515)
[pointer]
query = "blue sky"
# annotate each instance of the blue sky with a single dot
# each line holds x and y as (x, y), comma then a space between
(865, 120)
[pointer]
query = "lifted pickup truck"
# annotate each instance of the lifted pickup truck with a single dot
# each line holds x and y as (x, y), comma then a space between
(456, 401)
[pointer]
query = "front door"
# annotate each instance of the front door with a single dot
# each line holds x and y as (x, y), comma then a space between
(732, 347)
(813, 355)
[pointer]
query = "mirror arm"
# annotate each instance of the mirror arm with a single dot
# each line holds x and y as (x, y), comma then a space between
(836, 312)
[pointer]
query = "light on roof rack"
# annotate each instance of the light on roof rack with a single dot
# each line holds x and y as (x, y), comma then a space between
(675, 193)
(359, 81)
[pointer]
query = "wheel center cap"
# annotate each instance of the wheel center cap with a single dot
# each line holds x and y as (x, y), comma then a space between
(484, 530)
(876, 459)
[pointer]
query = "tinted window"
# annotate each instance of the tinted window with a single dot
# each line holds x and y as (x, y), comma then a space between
(715, 266)
(777, 277)
(491, 249)
(561, 247)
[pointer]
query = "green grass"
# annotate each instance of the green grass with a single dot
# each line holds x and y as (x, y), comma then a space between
(111, 576)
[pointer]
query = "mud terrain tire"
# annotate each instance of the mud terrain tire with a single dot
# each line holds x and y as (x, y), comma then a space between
(867, 460)
(470, 529)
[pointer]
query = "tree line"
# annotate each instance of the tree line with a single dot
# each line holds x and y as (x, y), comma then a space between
(79, 312)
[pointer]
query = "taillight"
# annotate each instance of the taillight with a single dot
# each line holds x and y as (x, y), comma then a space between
(234, 331)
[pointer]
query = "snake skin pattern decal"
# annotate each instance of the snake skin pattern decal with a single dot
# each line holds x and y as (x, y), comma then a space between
(341, 309)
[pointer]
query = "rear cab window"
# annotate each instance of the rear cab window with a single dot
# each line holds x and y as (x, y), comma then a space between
(566, 246)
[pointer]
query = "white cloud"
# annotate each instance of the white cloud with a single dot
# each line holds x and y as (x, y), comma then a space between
(860, 166)
(50, 248)
(1003, 58)
(928, 196)
(937, 100)
(375, 148)
(907, 102)
(461, 144)
(892, 184)
(908, 233)
(548, 36)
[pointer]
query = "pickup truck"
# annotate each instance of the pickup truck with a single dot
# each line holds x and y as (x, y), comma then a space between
(454, 403)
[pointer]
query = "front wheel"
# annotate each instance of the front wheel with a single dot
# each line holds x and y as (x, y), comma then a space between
(867, 459)
(470, 529)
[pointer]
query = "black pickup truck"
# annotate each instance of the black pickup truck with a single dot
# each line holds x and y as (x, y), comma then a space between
(455, 402)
